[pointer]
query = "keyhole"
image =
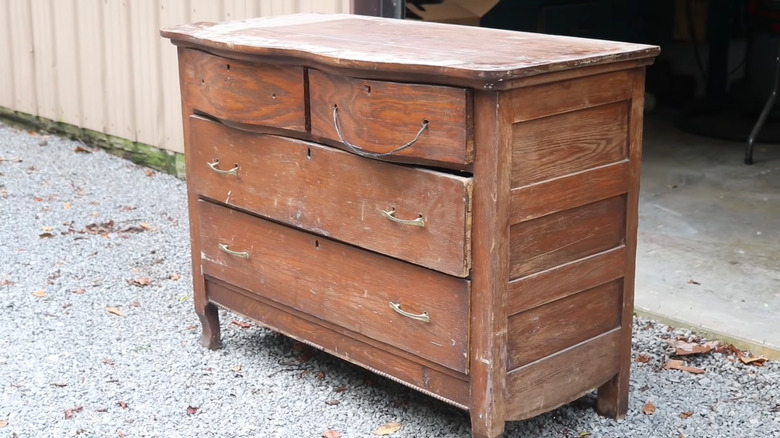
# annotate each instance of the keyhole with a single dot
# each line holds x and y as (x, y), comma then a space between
(308, 153)
(316, 243)
(368, 90)
(273, 96)
(228, 67)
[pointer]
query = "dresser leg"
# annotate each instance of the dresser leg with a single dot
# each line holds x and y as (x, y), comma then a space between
(482, 430)
(209, 320)
(612, 398)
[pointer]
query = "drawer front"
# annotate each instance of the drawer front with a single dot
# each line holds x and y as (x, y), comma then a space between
(339, 283)
(379, 117)
(416, 215)
(243, 92)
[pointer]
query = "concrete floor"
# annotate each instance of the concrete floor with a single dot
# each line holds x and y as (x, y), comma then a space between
(708, 256)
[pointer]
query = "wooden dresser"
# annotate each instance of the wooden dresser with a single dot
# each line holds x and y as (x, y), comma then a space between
(454, 208)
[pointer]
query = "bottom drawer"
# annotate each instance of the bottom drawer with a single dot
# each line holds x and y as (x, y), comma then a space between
(353, 288)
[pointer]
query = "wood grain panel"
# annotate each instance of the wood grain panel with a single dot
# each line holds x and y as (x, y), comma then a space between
(380, 116)
(338, 194)
(396, 364)
(565, 236)
(567, 143)
(565, 376)
(564, 280)
(244, 92)
(561, 97)
(340, 284)
(558, 325)
(536, 200)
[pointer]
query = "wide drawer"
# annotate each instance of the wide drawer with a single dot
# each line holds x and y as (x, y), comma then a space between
(243, 92)
(377, 118)
(340, 284)
(417, 215)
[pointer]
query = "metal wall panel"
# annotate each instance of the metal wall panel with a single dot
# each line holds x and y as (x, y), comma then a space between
(101, 64)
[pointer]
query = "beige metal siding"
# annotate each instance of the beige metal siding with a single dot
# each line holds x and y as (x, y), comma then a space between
(101, 64)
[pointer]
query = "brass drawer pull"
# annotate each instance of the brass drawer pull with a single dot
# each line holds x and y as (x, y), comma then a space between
(421, 317)
(242, 254)
(213, 166)
(419, 222)
(364, 153)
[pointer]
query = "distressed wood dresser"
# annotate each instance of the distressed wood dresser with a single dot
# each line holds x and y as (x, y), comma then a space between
(452, 207)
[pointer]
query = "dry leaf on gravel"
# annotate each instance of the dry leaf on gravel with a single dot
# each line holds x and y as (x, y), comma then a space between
(191, 410)
(71, 412)
(175, 276)
(387, 429)
(648, 408)
(3, 423)
(683, 348)
(331, 434)
(39, 294)
(122, 405)
(114, 311)
(81, 150)
(642, 359)
(241, 324)
(675, 364)
(685, 414)
(332, 402)
(140, 282)
(78, 291)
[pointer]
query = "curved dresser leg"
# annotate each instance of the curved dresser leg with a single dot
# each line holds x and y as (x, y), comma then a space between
(209, 320)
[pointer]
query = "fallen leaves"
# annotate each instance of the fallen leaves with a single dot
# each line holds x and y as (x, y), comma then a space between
(39, 294)
(140, 282)
(114, 311)
(676, 364)
(387, 429)
(71, 412)
(686, 414)
(332, 402)
(78, 291)
(123, 405)
(3, 423)
(683, 348)
(174, 277)
(241, 324)
(648, 408)
(81, 150)
(191, 410)
(331, 434)
(642, 358)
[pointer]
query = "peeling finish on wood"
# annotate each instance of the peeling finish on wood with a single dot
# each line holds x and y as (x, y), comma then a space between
(369, 43)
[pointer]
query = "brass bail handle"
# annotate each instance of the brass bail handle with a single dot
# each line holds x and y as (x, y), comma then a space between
(213, 166)
(362, 152)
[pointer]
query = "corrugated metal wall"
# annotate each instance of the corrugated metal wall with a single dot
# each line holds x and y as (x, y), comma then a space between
(101, 64)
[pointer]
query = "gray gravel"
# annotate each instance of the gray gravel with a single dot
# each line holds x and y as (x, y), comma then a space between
(89, 231)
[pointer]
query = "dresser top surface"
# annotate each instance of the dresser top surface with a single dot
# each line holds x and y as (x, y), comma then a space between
(369, 43)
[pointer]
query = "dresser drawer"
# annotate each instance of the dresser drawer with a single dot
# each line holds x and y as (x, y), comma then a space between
(417, 215)
(338, 283)
(379, 117)
(244, 92)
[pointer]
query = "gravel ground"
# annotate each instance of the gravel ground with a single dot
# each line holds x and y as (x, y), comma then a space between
(85, 234)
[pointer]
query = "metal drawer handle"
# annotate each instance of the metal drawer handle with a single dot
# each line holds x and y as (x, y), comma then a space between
(421, 317)
(242, 254)
(364, 153)
(419, 222)
(213, 166)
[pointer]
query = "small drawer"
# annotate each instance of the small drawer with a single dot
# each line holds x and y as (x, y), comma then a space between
(377, 118)
(243, 92)
(409, 307)
(417, 215)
